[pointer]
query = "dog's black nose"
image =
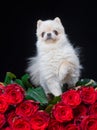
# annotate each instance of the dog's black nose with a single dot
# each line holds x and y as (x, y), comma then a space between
(49, 34)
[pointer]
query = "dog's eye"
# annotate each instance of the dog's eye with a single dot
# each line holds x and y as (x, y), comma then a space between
(56, 32)
(42, 34)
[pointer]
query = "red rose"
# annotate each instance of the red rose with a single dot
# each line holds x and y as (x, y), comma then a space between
(15, 93)
(27, 108)
(3, 103)
(20, 124)
(62, 112)
(88, 95)
(7, 128)
(11, 117)
(93, 109)
(71, 98)
(55, 125)
(40, 120)
(96, 92)
(2, 120)
(80, 111)
(77, 121)
(72, 127)
(2, 87)
(89, 123)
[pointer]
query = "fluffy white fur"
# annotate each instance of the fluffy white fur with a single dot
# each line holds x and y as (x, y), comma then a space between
(56, 61)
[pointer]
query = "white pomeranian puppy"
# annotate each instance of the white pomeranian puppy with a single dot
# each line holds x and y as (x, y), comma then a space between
(56, 61)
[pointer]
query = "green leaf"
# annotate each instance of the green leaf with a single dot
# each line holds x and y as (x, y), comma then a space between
(94, 83)
(55, 100)
(18, 81)
(25, 80)
(37, 94)
(9, 78)
(86, 82)
(82, 82)
(51, 103)
(49, 108)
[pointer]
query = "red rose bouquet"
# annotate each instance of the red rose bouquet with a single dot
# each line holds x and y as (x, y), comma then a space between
(22, 106)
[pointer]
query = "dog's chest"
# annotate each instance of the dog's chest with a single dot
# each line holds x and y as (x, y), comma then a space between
(52, 58)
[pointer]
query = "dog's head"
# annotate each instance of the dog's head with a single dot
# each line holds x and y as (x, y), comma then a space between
(50, 31)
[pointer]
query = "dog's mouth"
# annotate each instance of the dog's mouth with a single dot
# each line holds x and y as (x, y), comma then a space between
(49, 38)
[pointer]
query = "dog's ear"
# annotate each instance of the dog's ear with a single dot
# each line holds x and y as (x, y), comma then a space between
(57, 19)
(39, 22)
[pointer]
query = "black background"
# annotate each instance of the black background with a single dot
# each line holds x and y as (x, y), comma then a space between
(18, 28)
